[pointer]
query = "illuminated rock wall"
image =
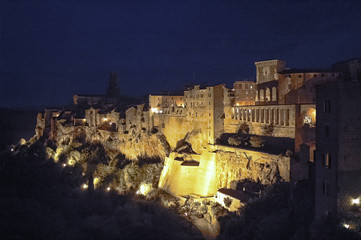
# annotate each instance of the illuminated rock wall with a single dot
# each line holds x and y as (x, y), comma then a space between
(181, 179)
(217, 169)
(235, 164)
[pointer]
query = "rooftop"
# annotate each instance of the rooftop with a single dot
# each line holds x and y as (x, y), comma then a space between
(308, 70)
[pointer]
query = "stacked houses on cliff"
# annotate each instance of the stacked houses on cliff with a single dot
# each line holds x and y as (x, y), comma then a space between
(264, 130)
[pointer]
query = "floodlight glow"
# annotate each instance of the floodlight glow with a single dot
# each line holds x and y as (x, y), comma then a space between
(355, 201)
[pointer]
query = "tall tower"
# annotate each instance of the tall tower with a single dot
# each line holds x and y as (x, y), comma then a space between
(113, 90)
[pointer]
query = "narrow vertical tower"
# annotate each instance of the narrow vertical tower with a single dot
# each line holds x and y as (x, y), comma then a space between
(113, 90)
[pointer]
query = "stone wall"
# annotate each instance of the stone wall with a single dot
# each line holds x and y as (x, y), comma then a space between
(218, 168)
(197, 177)
(282, 117)
(235, 164)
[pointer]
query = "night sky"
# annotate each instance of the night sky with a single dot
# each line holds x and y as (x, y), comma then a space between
(51, 50)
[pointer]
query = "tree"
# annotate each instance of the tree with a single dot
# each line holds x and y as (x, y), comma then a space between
(268, 130)
(243, 129)
(190, 211)
(227, 201)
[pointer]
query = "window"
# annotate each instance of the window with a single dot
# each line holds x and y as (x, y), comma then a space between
(327, 130)
(313, 158)
(299, 76)
(326, 188)
(327, 160)
(327, 105)
(314, 75)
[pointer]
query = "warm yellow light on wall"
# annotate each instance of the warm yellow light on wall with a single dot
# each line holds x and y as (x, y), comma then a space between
(355, 201)
(84, 186)
(345, 225)
(105, 119)
(96, 181)
(155, 110)
(144, 189)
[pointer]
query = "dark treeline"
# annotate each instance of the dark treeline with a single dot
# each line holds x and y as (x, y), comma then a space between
(16, 124)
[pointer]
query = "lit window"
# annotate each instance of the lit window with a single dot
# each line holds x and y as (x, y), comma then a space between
(327, 160)
(355, 201)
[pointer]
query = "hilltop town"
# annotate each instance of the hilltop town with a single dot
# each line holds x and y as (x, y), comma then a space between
(290, 125)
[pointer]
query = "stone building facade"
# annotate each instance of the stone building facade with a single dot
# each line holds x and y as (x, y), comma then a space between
(205, 105)
(338, 149)
(267, 81)
(159, 102)
(298, 86)
(244, 93)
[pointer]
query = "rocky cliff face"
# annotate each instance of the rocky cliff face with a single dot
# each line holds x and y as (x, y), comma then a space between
(234, 164)
(134, 145)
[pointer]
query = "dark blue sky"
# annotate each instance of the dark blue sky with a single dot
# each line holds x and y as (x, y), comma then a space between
(51, 50)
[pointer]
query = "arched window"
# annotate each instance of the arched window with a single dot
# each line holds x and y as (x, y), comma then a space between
(261, 95)
(274, 94)
(268, 94)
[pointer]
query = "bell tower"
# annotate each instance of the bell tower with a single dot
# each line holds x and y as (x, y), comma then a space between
(113, 90)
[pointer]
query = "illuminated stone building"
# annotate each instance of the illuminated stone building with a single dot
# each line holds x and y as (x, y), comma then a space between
(206, 105)
(267, 81)
(298, 86)
(244, 93)
(198, 160)
(158, 102)
(338, 151)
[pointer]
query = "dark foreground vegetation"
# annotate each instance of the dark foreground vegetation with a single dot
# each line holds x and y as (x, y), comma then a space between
(43, 199)
(281, 214)
(39, 199)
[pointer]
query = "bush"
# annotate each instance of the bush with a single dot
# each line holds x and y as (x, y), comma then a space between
(243, 129)
(268, 130)
(257, 141)
(234, 141)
